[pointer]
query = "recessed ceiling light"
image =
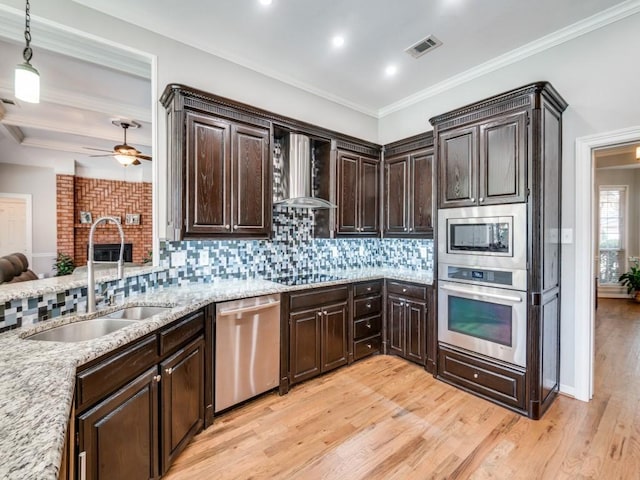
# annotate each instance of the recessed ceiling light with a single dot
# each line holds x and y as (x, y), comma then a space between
(337, 41)
(266, 2)
(391, 70)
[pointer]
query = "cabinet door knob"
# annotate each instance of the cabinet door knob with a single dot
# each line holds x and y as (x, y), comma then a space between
(472, 199)
(157, 378)
(368, 305)
(235, 227)
(404, 290)
(369, 346)
(169, 371)
(319, 314)
(411, 229)
(324, 312)
(475, 375)
(368, 289)
(405, 229)
(227, 226)
(368, 325)
(481, 199)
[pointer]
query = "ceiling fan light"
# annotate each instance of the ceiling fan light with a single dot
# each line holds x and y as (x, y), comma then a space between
(27, 83)
(637, 153)
(125, 160)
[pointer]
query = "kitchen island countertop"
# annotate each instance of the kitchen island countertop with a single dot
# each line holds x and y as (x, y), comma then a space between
(37, 378)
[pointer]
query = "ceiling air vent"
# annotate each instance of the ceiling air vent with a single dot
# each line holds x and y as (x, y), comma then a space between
(423, 46)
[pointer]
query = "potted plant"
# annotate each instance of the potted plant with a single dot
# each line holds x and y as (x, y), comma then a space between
(63, 265)
(631, 280)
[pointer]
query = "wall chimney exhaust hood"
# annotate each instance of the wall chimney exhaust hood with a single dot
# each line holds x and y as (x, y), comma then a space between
(297, 173)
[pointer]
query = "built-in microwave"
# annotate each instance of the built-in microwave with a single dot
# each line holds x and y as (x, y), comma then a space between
(492, 236)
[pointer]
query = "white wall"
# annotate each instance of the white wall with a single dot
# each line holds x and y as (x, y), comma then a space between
(598, 75)
(41, 184)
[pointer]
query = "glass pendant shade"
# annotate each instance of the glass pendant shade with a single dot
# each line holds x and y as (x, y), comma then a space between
(27, 83)
(125, 159)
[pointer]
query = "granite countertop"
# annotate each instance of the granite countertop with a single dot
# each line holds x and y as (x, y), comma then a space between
(37, 378)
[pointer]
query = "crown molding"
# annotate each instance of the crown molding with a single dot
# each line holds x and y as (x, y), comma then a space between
(74, 43)
(582, 27)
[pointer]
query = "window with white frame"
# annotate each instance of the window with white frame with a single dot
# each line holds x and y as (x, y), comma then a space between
(612, 225)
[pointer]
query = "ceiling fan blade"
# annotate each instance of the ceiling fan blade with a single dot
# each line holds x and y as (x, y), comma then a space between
(136, 162)
(97, 149)
(143, 157)
(105, 155)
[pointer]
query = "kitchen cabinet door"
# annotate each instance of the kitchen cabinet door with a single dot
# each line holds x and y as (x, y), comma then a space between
(369, 192)
(396, 325)
(208, 176)
(422, 193)
(503, 151)
(348, 172)
(415, 321)
(118, 438)
(251, 180)
(334, 337)
(458, 162)
(305, 360)
(396, 194)
(182, 399)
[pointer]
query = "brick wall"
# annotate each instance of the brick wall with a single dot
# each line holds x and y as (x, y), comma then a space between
(65, 213)
(101, 198)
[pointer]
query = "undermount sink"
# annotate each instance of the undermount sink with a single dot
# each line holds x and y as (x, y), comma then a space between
(81, 331)
(97, 327)
(137, 313)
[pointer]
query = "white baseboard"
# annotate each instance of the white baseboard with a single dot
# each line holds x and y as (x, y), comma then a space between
(568, 390)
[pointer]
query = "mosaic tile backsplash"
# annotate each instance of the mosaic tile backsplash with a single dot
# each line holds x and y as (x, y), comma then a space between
(292, 251)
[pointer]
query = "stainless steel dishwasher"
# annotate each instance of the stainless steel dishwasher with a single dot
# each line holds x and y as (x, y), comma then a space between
(247, 349)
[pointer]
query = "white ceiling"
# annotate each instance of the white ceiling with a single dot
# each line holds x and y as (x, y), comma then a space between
(86, 84)
(291, 39)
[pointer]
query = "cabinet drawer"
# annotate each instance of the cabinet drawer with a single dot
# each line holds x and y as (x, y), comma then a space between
(98, 381)
(407, 290)
(316, 297)
(497, 382)
(367, 288)
(366, 347)
(367, 306)
(179, 333)
(367, 327)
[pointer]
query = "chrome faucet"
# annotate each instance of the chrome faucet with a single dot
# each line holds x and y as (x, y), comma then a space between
(91, 285)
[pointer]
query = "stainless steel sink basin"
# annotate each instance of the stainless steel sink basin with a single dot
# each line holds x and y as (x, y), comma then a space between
(137, 313)
(81, 331)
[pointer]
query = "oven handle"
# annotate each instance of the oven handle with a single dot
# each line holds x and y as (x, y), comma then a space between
(497, 296)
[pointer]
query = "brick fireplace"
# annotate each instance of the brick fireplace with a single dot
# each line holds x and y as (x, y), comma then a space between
(101, 198)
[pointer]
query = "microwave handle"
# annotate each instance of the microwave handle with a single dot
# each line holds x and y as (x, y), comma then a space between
(507, 298)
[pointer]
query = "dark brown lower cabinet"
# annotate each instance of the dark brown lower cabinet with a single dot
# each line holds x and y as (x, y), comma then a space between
(318, 332)
(181, 402)
(154, 404)
(407, 321)
(118, 438)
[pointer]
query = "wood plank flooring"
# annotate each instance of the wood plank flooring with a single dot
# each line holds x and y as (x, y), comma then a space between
(385, 418)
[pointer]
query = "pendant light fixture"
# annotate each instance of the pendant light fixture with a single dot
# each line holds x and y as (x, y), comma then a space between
(27, 80)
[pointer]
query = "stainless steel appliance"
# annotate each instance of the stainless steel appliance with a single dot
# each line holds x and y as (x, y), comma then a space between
(247, 349)
(487, 320)
(491, 236)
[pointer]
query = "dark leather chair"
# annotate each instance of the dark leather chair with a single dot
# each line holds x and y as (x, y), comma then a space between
(15, 268)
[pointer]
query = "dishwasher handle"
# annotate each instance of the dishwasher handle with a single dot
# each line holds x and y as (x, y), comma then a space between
(249, 308)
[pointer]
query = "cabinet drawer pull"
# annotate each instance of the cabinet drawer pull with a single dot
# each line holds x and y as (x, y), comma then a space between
(325, 312)
(472, 199)
(169, 370)
(227, 226)
(368, 305)
(369, 346)
(481, 199)
(475, 375)
(368, 289)
(404, 290)
(157, 378)
(235, 227)
(368, 325)
(319, 314)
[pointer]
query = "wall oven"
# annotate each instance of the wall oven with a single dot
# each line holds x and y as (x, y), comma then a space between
(487, 320)
(492, 236)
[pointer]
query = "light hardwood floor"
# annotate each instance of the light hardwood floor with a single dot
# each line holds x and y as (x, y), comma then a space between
(385, 418)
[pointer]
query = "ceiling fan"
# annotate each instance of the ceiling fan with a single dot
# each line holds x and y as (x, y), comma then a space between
(124, 153)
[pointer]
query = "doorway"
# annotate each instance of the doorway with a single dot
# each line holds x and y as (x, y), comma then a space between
(15, 224)
(584, 271)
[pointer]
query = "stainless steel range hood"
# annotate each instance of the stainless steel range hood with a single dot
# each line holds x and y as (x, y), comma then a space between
(297, 173)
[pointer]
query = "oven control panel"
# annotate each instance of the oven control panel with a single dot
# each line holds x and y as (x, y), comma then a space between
(515, 279)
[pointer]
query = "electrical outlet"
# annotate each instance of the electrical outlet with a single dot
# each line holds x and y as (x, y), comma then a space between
(334, 252)
(423, 252)
(566, 235)
(361, 250)
(178, 259)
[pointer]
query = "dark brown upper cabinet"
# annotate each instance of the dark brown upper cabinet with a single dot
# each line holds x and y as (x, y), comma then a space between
(219, 173)
(484, 163)
(408, 188)
(358, 192)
